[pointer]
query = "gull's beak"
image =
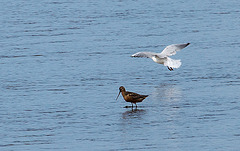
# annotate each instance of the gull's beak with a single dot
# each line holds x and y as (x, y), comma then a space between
(118, 95)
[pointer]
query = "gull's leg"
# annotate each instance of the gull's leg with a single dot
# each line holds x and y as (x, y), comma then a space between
(168, 68)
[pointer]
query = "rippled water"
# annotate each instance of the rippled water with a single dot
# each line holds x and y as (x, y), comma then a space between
(61, 63)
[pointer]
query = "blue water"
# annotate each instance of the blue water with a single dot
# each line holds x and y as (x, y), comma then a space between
(62, 62)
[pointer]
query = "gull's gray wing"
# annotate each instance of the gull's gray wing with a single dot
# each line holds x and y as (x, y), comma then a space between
(144, 54)
(172, 49)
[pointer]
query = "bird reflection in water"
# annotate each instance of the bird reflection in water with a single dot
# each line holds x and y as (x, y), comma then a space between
(133, 113)
(130, 120)
(167, 92)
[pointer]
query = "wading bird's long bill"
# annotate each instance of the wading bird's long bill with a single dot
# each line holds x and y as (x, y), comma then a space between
(118, 95)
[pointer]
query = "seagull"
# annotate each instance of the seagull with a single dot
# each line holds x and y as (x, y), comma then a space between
(163, 57)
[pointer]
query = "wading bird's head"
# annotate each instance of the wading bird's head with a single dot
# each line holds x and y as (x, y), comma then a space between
(121, 89)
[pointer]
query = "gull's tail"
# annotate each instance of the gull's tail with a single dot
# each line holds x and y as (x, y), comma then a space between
(172, 63)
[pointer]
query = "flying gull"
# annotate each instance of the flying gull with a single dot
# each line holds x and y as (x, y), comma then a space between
(163, 57)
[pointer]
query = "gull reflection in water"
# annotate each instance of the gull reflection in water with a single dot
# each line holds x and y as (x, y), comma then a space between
(167, 92)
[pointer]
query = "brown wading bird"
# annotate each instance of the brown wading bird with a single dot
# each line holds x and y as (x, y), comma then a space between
(131, 96)
(163, 57)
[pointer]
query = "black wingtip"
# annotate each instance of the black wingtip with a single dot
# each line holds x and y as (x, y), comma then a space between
(187, 44)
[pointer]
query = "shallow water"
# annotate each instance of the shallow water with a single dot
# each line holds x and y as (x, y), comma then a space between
(62, 63)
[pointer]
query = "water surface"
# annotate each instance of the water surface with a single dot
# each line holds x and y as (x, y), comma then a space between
(62, 63)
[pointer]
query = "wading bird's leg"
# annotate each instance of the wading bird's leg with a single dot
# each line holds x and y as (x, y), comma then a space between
(136, 105)
(132, 104)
